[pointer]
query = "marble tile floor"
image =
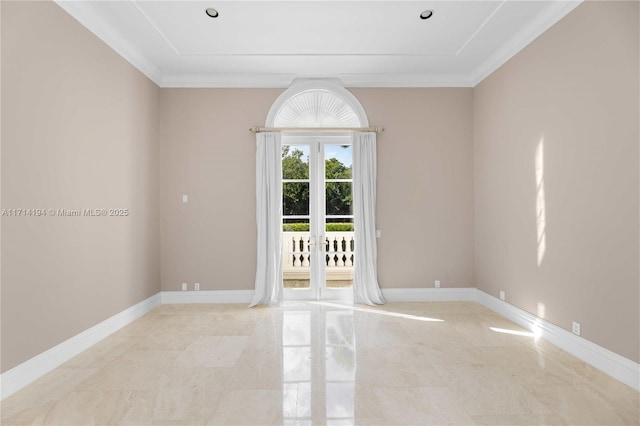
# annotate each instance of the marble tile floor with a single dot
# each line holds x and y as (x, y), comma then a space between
(321, 363)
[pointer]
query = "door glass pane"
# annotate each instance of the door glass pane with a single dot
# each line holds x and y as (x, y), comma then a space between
(339, 236)
(338, 198)
(295, 161)
(339, 246)
(338, 161)
(295, 198)
(296, 256)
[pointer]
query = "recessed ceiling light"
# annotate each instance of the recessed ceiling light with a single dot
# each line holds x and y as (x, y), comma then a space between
(426, 14)
(211, 12)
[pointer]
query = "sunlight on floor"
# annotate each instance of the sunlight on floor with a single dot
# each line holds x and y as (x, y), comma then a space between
(379, 312)
(535, 333)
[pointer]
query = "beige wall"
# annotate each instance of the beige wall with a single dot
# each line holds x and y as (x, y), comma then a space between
(1, 203)
(79, 131)
(425, 189)
(425, 185)
(574, 90)
(208, 153)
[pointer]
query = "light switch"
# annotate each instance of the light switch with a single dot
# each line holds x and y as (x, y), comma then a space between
(185, 198)
(378, 233)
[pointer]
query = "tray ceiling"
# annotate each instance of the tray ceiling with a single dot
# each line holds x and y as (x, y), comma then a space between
(361, 43)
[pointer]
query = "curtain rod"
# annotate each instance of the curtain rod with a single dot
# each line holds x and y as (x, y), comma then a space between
(316, 129)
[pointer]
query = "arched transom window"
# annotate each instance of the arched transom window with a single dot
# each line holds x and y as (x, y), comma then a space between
(316, 104)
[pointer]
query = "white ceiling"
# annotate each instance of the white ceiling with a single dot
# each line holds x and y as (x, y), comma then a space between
(363, 43)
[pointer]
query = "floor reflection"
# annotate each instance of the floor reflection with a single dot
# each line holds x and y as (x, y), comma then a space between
(224, 364)
(305, 378)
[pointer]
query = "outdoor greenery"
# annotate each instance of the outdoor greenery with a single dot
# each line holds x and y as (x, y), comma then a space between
(296, 194)
(330, 227)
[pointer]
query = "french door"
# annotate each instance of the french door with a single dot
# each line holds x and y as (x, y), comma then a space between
(317, 217)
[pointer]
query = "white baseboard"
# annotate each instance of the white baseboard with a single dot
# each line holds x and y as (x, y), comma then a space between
(616, 366)
(211, 296)
(429, 294)
(36, 367)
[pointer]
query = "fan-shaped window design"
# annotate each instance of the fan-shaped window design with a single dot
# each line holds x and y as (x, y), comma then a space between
(316, 108)
(316, 104)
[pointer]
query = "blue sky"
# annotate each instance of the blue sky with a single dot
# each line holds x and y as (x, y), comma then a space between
(342, 154)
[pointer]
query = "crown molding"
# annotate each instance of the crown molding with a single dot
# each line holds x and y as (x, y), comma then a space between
(83, 13)
(283, 81)
(554, 13)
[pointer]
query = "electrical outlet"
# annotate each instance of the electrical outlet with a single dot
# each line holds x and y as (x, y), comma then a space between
(196, 286)
(184, 286)
(502, 296)
(575, 328)
(437, 283)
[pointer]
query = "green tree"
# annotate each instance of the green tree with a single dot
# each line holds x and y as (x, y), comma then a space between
(295, 195)
(336, 170)
(293, 165)
(339, 200)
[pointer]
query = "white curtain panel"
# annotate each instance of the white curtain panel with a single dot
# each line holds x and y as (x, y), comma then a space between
(269, 289)
(365, 276)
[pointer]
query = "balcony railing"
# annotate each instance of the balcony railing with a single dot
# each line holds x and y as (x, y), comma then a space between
(337, 247)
